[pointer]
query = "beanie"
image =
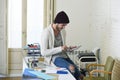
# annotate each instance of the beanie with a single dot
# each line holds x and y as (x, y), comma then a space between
(61, 17)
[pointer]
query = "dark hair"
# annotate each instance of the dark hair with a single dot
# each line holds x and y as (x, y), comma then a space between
(61, 17)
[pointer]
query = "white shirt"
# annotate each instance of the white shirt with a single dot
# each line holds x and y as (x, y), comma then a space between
(47, 43)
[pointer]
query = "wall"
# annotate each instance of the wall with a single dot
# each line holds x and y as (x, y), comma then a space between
(93, 23)
(88, 20)
(105, 23)
(78, 30)
(112, 43)
(99, 25)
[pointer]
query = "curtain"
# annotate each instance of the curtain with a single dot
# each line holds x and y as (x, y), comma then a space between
(49, 11)
(3, 38)
(24, 22)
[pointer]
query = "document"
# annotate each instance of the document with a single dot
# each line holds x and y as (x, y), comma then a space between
(51, 71)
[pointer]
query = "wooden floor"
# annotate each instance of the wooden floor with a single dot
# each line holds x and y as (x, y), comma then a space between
(10, 78)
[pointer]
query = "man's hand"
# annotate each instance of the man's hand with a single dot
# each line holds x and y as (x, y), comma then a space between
(72, 48)
(64, 48)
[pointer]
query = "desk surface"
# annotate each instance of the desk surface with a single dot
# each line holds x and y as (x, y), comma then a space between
(48, 69)
(67, 76)
(31, 78)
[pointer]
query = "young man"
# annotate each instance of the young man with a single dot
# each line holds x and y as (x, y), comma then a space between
(53, 46)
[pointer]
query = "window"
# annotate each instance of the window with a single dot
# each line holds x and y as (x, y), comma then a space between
(34, 22)
(14, 23)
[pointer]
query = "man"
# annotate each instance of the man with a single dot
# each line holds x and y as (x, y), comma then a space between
(53, 46)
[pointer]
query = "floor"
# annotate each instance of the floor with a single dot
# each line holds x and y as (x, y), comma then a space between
(10, 78)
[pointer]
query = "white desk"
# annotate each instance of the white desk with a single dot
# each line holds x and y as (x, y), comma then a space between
(68, 76)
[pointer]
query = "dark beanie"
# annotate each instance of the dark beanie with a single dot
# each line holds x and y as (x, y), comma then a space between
(61, 17)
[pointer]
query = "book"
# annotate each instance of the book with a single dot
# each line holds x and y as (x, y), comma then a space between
(62, 72)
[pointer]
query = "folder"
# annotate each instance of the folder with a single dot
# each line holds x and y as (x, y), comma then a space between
(30, 73)
(62, 72)
(42, 75)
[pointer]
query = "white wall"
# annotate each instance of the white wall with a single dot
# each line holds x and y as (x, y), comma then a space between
(106, 20)
(112, 44)
(88, 19)
(78, 30)
(99, 25)
(93, 23)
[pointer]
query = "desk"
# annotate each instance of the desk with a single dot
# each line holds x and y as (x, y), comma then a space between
(68, 76)
(60, 77)
(31, 78)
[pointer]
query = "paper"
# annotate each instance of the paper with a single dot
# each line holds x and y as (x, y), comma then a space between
(51, 71)
(61, 69)
(42, 75)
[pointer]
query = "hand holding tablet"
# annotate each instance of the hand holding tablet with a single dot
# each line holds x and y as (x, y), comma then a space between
(73, 48)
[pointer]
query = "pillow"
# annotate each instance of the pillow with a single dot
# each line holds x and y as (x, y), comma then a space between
(116, 70)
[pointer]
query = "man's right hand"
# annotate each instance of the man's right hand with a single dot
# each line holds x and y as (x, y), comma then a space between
(64, 48)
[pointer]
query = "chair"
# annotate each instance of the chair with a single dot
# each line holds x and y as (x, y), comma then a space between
(116, 70)
(107, 70)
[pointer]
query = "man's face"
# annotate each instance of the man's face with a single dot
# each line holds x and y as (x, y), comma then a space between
(61, 26)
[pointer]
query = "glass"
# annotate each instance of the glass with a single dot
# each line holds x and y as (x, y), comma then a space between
(34, 20)
(14, 23)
